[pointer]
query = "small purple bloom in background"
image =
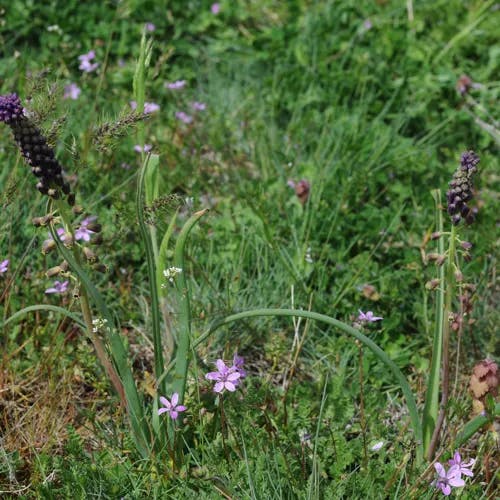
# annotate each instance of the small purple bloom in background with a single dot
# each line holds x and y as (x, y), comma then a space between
(85, 65)
(150, 27)
(71, 91)
(367, 25)
(139, 149)
(238, 362)
(183, 117)
(83, 232)
(171, 406)
(4, 265)
(179, 84)
(225, 377)
(447, 479)
(199, 106)
(463, 467)
(149, 107)
(377, 446)
(59, 287)
(125, 166)
(215, 8)
(60, 233)
(368, 317)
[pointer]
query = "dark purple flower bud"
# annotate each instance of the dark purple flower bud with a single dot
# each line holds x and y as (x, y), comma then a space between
(34, 148)
(10, 108)
(461, 189)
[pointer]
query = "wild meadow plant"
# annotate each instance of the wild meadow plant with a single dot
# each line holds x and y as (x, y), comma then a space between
(176, 352)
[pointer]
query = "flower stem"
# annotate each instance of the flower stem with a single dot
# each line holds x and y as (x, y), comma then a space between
(449, 290)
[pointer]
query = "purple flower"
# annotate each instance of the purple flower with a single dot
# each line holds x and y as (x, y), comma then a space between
(83, 232)
(149, 107)
(4, 266)
(464, 468)
(85, 65)
(183, 117)
(199, 106)
(179, 84)
(60, 232)
(368, 317)
(171, 406)
(367, 25)
(150, 27)
(447, 479)
(215, 8)
(59, 287)
(238, 365)
(139, 149)
(71, 91)
(225, 377)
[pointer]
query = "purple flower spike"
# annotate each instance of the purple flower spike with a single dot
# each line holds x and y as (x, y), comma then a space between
(59, 287)
(225, 377)
(4, 265)
(11, 108)
(368, 317)
(171, 407)
(447, 479)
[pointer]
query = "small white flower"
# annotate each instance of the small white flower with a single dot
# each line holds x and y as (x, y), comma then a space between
(171, 273)
(99, 324)
(308, 257)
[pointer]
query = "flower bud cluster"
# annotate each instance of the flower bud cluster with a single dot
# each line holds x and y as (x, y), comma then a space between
(34, 148)
(461, 189)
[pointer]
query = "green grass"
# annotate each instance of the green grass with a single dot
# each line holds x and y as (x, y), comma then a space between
(293, 90)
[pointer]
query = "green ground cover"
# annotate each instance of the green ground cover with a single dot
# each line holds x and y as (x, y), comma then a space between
(314, 132)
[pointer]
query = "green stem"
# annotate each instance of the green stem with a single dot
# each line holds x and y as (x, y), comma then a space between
(349, 330)
(430, 413)
(184, 335)
(151, 262)
(445, 386)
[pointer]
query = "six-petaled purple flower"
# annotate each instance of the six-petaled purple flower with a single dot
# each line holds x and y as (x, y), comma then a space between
(85, 65)
(59, 287)
(179, 84)
(226, 377)
(83, 232)
(199, 106)
(368, 317)
(183, 117)
(149, 107)
(447, 479)
(146, 149)
(463, 467)
(171, 407)
(71, 91)
(4, 265)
